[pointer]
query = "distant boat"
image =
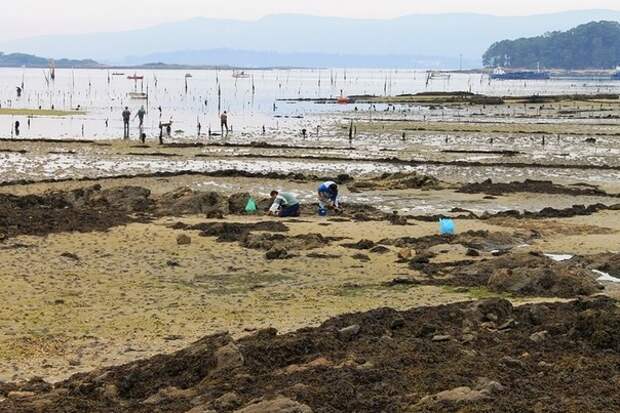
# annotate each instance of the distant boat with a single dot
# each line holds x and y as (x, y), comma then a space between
(118, 74)
(138, 95)
(240, 74)
(436, 74)
(500, 74)
(616, 74)
(135, 77)
(343, 100)
(188, 75)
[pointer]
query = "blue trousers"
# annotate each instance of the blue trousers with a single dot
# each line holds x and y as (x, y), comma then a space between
(290, 211)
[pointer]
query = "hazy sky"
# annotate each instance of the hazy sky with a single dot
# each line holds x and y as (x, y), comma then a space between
(33, 17)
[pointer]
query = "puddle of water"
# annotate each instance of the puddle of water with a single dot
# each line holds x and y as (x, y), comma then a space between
(559, 257)
(606, 277)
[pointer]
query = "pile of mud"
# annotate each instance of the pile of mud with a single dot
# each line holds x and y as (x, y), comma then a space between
(520, 274)
(94, 209)
(82, 210)
(395, 181)
(530, 186)
(264, 235)
(550, 212)
(484, 356)
(477, 240)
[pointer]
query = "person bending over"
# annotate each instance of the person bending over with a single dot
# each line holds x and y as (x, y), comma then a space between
(284, 204)
(328, 196)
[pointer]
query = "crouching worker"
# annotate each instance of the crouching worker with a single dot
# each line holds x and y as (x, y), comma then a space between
(284, 204)
(328, 196)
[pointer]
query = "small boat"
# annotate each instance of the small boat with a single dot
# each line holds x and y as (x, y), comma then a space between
(138, 95)
(500, 74)
(135, 77)
(343, 100)
(436, 74)
(240, 74)
(188, 75)
(118, 74)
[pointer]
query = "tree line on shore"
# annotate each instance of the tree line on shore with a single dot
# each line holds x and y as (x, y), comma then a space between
(595, 45)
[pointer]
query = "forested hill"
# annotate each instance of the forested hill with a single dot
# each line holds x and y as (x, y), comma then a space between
(27, 60)
(594, 45)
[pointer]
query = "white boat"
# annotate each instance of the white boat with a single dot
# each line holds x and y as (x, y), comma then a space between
(240, 74)
(138, 95)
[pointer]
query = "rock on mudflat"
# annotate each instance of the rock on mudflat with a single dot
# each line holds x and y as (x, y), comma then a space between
(349, 332)
(484, 389)
(183, 239)
(440, 338)
(277, 254)
(277, 405)
(539, 336)
(406, 253)
(228, 357)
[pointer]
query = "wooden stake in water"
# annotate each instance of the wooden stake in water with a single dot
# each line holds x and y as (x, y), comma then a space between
(351, 133)
(219, 99)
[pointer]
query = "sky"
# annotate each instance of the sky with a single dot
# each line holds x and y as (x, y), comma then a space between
(29, 18)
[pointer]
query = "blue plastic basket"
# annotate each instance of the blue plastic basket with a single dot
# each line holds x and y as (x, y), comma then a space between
(446, 227)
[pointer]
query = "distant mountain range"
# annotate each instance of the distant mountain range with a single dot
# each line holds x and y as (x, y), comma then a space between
(249, 58)
(300, 40)
(22, 59)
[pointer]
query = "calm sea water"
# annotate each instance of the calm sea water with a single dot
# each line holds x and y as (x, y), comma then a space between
(251, 101)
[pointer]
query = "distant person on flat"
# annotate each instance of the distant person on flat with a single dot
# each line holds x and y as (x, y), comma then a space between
(126, 119)
(224, 122)
(140, 115)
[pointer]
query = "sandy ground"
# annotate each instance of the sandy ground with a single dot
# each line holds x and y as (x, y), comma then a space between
(121, 300)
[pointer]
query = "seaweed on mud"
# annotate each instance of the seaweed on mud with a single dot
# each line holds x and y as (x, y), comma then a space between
(522, 274)
(82, 210)
(547, 212)
(530, 186)
(560, 355)
(479, 240)
(234, 231)
(395, 181)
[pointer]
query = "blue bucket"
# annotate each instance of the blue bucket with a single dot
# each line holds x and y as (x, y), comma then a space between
(446, 227)
(322, 212)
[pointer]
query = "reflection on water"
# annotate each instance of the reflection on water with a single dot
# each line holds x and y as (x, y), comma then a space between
(252, 102)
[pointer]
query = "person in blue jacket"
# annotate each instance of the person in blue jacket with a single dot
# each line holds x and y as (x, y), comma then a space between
(328, 196)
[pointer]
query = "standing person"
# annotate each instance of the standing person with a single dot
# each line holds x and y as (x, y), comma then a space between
(126, 119)
(284, 204)
(224, 122)
(328, 196)
(17, 128)
(140, 115)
